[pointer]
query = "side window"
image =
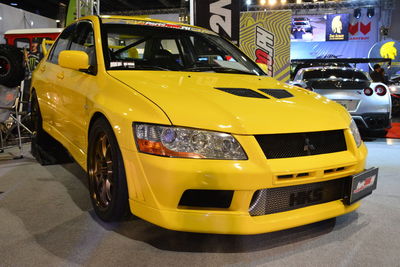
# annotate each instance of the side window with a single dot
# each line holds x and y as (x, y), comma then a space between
(83, 40)
(22, 43)
(62, 43)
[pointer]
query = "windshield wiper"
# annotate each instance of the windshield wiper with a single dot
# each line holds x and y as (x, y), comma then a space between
(217, 69)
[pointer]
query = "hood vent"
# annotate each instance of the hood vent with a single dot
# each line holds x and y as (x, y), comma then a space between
(277, 93)
(242, 92)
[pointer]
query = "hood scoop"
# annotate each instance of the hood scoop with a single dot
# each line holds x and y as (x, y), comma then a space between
(242, 92)
(277, 93)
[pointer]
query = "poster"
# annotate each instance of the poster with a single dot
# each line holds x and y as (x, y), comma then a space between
(337, 27)
(308, 28)
(265, 38)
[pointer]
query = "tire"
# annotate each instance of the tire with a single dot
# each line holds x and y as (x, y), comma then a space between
(12, 70)
(44, 148)
(106, 174)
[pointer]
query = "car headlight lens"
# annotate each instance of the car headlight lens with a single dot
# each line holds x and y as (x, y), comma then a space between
(356, 133)
(182, 142)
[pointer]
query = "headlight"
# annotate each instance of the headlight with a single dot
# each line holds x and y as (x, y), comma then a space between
(356, 133)
(182, 142)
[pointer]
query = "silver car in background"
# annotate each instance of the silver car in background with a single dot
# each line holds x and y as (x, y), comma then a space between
(368, 102)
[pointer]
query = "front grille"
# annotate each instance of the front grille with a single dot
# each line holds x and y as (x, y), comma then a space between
(273, 200)
(242, 92)
(301, 144)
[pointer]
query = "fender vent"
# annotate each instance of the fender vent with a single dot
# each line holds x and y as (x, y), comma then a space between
(277, 93)
(242, 92)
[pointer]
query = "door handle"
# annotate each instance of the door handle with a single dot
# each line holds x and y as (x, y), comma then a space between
(60, 75)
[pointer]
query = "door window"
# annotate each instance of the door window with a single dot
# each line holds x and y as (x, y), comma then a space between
(62, 43)
(83, 40)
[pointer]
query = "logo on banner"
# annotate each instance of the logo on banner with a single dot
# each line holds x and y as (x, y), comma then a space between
(265, 49)
(337, 27)
(359, 27)
(388, 50)
(220, 16)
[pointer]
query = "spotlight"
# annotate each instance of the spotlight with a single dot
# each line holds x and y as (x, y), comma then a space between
(370, 12)
(357, 13)
(262, 2)
(248, 2)
(283, 2)
(298, 1)
(272, 2)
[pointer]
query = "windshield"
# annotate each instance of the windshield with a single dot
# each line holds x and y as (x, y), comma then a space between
(164, 47)
(334, 74)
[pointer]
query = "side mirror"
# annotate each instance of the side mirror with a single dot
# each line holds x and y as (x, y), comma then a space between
(72, 59)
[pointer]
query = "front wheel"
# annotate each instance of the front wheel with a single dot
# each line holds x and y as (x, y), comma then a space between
(106, 173)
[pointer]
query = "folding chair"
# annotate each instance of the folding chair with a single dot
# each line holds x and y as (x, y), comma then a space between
(11, 116)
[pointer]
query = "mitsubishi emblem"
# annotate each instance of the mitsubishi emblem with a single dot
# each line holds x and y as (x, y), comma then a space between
(308, 147)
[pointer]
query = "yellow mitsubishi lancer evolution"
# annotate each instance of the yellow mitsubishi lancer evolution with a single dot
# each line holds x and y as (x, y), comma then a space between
(179, 127)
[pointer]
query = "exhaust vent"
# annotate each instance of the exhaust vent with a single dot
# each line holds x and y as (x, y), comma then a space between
(242, 92)
(277, 93)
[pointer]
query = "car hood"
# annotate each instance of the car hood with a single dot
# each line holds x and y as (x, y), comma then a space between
(191, 99)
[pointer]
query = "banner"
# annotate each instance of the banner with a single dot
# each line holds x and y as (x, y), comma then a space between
(265, 37)
(220, 16)
(337, 27)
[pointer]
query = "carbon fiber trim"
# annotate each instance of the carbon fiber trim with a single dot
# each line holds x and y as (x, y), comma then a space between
(274, 200)
(242, 92)
(301, 144)
(277, 93)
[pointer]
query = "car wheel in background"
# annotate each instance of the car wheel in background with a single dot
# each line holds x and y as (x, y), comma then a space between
(106, 173)
(12, 70)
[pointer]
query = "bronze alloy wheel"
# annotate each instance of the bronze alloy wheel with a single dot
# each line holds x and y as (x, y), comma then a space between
(101, 171)
(106, 173)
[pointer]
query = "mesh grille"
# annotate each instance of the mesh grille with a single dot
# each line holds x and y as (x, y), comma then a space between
(242, 92)
(277, 93)
(273, 200)
(301, 144)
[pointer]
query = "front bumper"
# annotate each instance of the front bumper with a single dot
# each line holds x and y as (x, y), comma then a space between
(157, 184)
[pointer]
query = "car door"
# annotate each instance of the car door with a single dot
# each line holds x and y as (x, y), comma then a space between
(73, 86)
(46, 78)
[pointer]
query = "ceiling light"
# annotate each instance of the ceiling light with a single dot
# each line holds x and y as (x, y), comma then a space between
(248, 2)
(370, 12)
(283, 1)
(298, 1)
(272, 2)
(357, 13)
(262, 2)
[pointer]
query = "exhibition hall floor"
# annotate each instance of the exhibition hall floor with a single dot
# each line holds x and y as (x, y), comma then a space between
(46, 219)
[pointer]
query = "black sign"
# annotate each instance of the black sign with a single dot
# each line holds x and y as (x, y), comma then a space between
(362, 185)
(220, 16)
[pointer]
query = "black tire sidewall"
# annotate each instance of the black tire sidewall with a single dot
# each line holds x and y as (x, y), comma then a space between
(118, 207)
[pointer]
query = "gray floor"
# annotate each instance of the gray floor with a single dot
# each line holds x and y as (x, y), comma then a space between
(46, 219)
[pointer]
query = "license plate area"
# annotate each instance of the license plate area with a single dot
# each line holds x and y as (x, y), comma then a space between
(361, 185)
(350, 105)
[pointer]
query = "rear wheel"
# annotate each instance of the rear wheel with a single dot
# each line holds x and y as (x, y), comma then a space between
(106, 173)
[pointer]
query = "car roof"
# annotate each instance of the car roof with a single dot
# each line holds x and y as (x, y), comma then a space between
(155, 21)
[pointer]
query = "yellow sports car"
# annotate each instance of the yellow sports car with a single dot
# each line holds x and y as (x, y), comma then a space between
(176, 125)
